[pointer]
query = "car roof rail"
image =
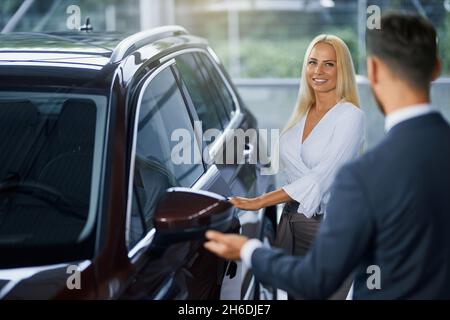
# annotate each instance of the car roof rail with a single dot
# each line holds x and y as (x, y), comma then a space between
(143, 38)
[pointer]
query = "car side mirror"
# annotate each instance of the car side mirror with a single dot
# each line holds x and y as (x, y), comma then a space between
(183, 214)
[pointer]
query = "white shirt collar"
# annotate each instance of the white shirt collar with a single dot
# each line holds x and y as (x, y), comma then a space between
(405, 114)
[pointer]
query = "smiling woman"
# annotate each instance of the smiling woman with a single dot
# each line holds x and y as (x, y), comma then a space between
(321, 75)
(325, 131)
(329, 69)
(321, 69)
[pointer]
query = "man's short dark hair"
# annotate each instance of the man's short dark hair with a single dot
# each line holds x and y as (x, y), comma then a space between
(407, 43)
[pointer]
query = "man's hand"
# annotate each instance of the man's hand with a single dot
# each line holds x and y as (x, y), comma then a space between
(227, 246)
(250, 204)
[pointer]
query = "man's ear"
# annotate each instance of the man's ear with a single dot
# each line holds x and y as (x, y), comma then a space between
(437, 70)
(372, 70)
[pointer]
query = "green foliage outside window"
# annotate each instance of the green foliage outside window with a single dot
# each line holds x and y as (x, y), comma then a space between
(277, 59)
(271, 44)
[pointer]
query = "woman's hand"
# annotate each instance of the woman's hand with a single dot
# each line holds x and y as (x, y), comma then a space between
(250, 204)
(263, 201)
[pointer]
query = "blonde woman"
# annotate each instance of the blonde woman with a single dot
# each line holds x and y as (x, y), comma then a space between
(325, 131)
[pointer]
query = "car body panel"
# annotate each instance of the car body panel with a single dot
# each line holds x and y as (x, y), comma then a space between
(115, 271)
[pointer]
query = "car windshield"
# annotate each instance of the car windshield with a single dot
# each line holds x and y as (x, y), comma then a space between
(50, 161)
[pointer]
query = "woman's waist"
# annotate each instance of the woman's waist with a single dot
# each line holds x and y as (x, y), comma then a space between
(291, 207)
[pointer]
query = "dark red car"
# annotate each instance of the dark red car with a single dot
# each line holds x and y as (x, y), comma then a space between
(92, 203)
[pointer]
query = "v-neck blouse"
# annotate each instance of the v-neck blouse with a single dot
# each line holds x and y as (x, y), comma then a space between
(311, 166)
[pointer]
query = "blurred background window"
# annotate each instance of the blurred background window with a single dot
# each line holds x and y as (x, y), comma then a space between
(260, 42)
(264, 39)
(46, 16)
(254, 38)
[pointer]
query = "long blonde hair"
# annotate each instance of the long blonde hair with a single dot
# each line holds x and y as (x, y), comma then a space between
(346, 89)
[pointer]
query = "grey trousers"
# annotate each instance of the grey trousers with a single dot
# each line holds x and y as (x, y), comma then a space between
(296, 233)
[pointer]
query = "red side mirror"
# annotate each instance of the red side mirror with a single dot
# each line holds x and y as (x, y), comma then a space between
(183, 213)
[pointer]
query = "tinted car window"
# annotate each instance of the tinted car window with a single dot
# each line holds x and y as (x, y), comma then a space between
(201, 91)
(223, 93)
(158, 164)
(50, 159)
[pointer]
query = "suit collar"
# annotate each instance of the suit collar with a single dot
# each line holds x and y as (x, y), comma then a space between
(430, 119)
(405, 114)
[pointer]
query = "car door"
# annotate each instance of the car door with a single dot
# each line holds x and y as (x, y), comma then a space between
(247, 179)
(166, 153)
(153, 171)
(197, 74)
(217, 107)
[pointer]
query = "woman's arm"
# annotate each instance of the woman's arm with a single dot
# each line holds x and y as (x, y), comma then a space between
(263, 201)
(347, 139)
(308, 190)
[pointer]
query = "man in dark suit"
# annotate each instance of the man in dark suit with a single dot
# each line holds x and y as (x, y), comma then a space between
(388, 219)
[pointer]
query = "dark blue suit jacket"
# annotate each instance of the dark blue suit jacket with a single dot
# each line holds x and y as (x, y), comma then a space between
(389, 208)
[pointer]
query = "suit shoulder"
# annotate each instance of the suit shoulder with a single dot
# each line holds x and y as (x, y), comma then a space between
(367, 162)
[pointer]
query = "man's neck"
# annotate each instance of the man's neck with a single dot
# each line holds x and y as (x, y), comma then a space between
(406, 99)
(398, 107)
(406, 113)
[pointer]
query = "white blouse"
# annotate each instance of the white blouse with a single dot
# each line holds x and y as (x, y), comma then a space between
(311, 167)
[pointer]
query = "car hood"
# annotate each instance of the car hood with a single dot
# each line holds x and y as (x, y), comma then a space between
(43, 282)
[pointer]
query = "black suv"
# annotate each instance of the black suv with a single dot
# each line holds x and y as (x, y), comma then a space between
(92, 203)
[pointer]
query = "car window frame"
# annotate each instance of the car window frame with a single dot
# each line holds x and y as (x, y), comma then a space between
(191, 108)
(203, 59)
(236, 117)
(203, 88)
(213, 149)
(212, 90)
(147, 80)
